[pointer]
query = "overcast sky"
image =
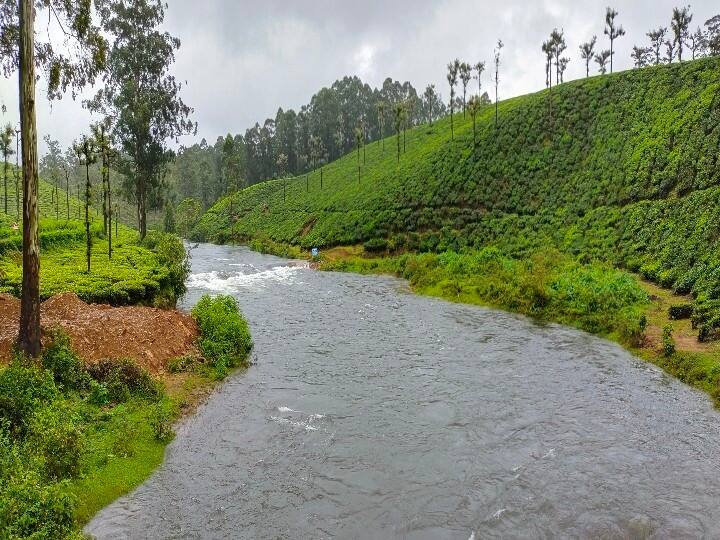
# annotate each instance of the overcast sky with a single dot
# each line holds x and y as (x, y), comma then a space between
(242, 59)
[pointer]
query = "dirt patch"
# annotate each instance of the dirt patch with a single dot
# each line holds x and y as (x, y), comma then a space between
(308, 227)
(150, 336)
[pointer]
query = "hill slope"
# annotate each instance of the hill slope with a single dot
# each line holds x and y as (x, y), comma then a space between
(622, 168)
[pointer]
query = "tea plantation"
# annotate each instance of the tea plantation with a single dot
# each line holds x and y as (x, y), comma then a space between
(620, 168)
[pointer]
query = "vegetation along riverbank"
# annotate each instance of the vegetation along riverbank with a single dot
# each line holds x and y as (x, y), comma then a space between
(584, 191)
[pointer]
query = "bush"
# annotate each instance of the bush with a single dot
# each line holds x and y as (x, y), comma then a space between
(376, 245)
(67, 368)
(668, 342)
(54, 437)
(225, 337)
(680, 311)
(161, 421)
(24, 390)
(124, 379)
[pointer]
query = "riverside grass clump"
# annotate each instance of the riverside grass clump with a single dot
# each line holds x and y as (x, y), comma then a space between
(620, 169)
(225, 341)
(547, 286)
(59, 459)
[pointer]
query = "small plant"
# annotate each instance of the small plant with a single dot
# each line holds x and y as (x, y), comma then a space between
(56, 439)
(67, 368)
(161, 420)
(124, 379)
(668, 342)
(24, 390)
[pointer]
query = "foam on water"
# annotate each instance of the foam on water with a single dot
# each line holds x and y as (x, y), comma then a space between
(303, 425)
(230, 282)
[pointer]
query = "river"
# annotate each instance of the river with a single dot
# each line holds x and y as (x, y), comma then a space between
(372, 413)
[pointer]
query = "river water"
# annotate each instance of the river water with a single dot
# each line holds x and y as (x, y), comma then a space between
(374, 413)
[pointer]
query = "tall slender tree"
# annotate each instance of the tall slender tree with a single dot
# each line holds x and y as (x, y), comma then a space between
(713, 35)
(641, 56)
(21, 51)
(601, 59)
(474, 107)
(87, 155)
(557, 38)
(141, 96)
(452, 78)
(547, 49)
(6, 137)
(657, 39)
(465, 78)
(479, 69)
(680, 24)
(399, 110)
(382, 112)
(670, 51)
(697, 43)
(587, 52)
(498, 49)
(612, 31)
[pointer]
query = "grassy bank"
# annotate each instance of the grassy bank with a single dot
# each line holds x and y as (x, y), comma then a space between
(74, 437)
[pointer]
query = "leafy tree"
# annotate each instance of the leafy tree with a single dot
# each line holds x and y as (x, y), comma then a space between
(359, 138)
(6, 137)
(564, 61)
(474, 107)
(452, 78)
(558, 44)
(657, 39)
(104, 146)
(547, 48)
(87, 155)
(479, 68)
(399, 110)
(465, 77)
(141, 96)
(430, 98)
(187, 214)
(282, 162)
(697, 43)
(713, 35)
(23, 50)
(612, 31)
(680, 24)
(587, 52)
(498, 48)
(669, 51)
(382, 112)
(169, 224)
(641, 56)
(601, 59)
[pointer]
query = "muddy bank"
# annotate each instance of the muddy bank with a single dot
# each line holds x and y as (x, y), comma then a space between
(150, 336)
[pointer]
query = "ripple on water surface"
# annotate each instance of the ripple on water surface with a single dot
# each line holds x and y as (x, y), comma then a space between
(373, 413)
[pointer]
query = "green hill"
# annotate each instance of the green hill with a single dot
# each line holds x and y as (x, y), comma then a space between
(621, 168)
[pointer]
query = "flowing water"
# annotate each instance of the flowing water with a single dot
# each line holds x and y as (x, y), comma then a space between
(374, 413)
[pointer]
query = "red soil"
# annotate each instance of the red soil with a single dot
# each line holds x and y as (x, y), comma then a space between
(150, 336)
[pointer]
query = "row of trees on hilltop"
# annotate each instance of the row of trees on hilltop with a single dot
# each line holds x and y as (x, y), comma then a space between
(321, 131)
(665, 45)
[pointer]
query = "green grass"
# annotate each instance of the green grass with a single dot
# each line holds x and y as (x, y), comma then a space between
(620, 168)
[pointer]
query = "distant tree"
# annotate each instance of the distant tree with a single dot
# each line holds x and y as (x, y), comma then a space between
(169, 224)
(407, 118)
(430, 99)
(6, 139)
(641, 56)
(601, 59)
(657, 39)
(452, 78)
(479, 68)
(669, 51)
(359, 137)
(587, 52)
(612, 31)
(547, 48)
(557, 38)
(564, 61)
(474, 107)
(382, 112)
(697, 43)
(50, 167)
(713, 35)
(498, 49)
(465, 77)
(680, 24)
(22, 50)
(187, 215)
(86, 154)
(399, 110)
(281, 163)
(104, 146)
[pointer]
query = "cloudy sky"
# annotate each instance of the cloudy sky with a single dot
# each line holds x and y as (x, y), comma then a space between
(242, 59)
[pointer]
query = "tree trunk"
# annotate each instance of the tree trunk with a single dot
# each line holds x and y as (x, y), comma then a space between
(88, 239)
(67, 193)
(5, 178)
(29, 334)
(110, 216)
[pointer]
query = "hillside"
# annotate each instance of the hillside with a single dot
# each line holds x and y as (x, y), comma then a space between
(622, 168)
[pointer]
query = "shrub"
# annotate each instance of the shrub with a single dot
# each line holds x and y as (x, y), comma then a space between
(680, 311)
(124, 379)
(99, 394)
(67, 368)
(24, 390)
(54, 437)
(225, 337)
(161, 421)
(668, 342)
(376, 245)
